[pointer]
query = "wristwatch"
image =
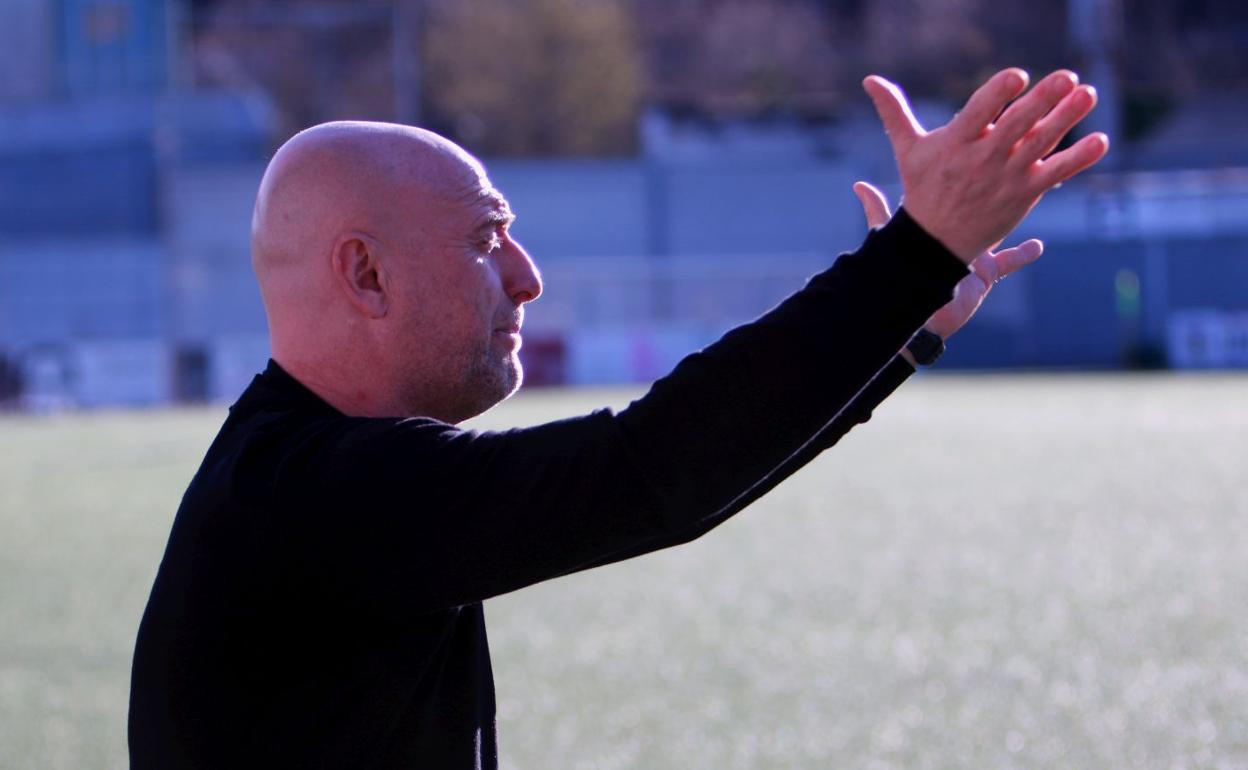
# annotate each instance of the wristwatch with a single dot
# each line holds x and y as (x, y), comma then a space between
(926, 347)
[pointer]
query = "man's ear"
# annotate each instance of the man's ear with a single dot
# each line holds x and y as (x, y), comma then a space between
(357, 267)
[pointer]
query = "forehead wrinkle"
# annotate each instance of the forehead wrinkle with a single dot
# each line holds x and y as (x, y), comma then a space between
(482, 192)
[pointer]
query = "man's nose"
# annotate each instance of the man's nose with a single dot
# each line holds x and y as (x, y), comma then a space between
(521, 280)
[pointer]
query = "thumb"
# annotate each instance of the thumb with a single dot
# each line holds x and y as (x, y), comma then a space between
(874, 204)
(1025, 253)
(1009, 260)
(899, 122)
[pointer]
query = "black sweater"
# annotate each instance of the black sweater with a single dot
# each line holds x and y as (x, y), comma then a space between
(319, 601)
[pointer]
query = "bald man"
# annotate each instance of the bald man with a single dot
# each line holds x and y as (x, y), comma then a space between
(319, 601)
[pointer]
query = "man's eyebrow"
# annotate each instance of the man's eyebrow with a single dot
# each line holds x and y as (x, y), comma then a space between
(495, 217)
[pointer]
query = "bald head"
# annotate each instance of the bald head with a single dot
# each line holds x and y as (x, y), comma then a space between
(387, 270)
(342, 175)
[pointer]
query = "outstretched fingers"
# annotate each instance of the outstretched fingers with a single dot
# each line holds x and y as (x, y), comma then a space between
(899, 122)
(874, 204)
(1049, 131)
(1063, 165)
(965, 183)
(1021, 116)
(987, 102)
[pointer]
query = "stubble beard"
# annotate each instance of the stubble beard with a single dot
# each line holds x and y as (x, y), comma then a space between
(496, 380)
(491, 380)
(463, 384)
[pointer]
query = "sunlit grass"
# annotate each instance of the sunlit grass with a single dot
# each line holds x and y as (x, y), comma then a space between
(995, 572)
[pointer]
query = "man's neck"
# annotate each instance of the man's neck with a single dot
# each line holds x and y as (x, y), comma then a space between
(334, 384)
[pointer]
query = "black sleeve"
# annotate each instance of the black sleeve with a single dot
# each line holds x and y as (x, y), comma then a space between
(857, 412)
(416, 514)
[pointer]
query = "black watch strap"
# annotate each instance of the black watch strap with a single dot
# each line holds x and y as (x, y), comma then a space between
(926, 347)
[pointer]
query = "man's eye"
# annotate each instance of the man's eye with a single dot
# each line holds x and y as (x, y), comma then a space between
(492, 243)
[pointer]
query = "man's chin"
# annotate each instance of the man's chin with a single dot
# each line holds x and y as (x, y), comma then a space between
(494, 385)
(513, 376)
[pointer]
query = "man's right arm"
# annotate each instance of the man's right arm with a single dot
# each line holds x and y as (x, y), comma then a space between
(418, 514)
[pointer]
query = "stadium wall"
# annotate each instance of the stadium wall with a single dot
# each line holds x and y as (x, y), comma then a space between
(642, 264)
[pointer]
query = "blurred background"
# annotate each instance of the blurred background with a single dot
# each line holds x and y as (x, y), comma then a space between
(1008, 568)
(677, 165)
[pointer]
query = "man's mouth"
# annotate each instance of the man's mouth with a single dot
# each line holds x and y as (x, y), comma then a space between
(510, 325)
(508, 333)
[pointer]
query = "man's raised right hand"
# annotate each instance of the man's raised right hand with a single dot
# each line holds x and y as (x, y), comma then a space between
(971, 181)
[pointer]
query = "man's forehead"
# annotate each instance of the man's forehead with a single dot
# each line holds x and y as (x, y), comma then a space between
(467, 185)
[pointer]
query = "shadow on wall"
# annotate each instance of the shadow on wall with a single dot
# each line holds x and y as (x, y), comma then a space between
(10, 384)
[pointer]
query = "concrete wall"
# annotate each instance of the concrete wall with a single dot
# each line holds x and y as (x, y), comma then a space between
(612, 208)
(70, 289)
(83, 319)
(27, 61)
(208, 231)
(642, 265)
(1071, 314)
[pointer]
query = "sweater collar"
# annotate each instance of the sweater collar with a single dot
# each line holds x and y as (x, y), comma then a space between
(277, 387)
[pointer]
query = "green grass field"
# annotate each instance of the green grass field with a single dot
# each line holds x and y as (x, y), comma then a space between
(996, 572)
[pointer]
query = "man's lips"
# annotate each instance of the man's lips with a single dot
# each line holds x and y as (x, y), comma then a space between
(509, 336)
